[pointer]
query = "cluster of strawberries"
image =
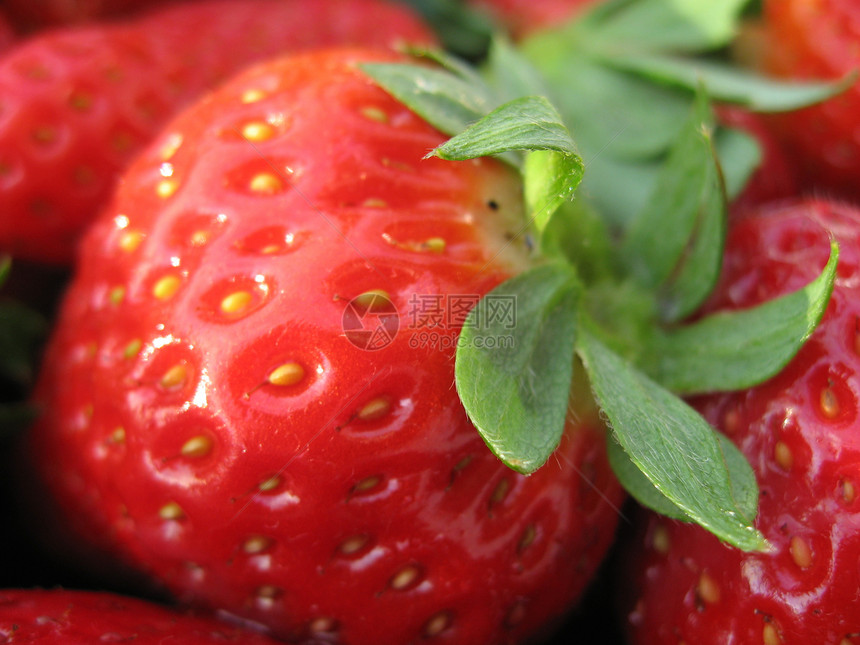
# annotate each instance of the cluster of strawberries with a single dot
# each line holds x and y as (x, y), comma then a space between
(233, 414)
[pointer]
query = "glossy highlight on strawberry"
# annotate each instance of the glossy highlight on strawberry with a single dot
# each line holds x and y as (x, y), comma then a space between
(208, 420)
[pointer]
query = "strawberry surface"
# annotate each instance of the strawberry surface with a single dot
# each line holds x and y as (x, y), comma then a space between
(815, 40)
(30, 15)
(77, 104)
(798, 431)
(215, 415)
(7, 35)
(82, 618)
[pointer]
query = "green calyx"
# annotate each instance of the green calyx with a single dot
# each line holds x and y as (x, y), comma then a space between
(629, 245)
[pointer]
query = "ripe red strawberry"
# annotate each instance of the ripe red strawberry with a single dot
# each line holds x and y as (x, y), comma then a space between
(799, 432)
(814, 40)
(213, 411)
(523, 17)
(82, 618)
(31, 15)
(7, 35)
(77, 104)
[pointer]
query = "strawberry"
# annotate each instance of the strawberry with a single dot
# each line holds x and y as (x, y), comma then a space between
(249, 394)
(81, 618)
(30, 15)
(77, 104)
(809, 40)
(7, 35)
(797, 430)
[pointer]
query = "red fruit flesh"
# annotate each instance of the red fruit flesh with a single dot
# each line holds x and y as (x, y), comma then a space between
(76, 105)
(83, 618)
(206, 409)
(32, 15)
(7, 35)
(818, 40)
(799, 432)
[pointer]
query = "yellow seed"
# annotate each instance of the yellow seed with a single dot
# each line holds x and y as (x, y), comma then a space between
(117, 436)
(258, 131)
(829, 403)
(198, 446)
(171, 511)
(374, 300)
(783, 456)
(374, 409)
(353, 545)
(130, 240)
(769, 635)
(166, 287)
(269, 484)
(660, 539)
(527, 538)
(708, 589)
(269, 592)
(287, 374)
(375, 114)
(80, 101)
(266, 183)
(434, 245)
(323, 625)
(405, 577)
(84, 175)
(116, 296)
(166, 188)
(132, 349)
(437, 624)
(44, 134)
(271, 249)
(236, 302)
(848, 492)
(500, 492)
(366, 484)
(800, 551)
(374, 202)
(175, 376)
(252, 96)
(122, 141)
(199, 238)
(257, 544)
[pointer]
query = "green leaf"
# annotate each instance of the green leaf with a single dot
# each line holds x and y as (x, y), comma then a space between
(735, 350)
(731, 84)
(663, 25)
(514, 376)
(740, 155)
(552, 169)
(671, 444)
(577, 234)
(510, 74)
(688, 195)
(742, 480)
(638, 119)
(445, 100)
